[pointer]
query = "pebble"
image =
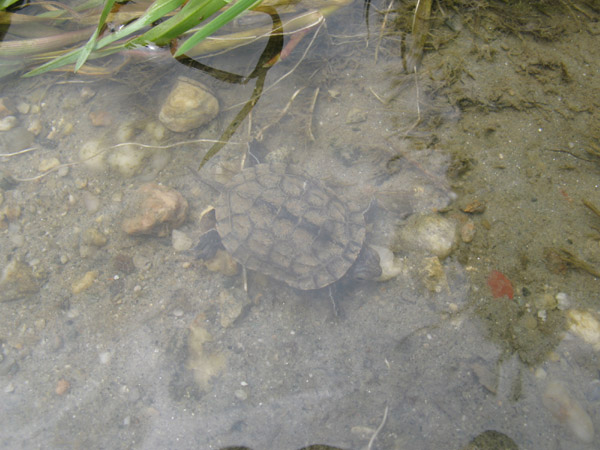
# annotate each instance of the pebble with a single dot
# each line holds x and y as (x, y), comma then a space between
(391, 266)
(157, 210)
(90, 201)
(586, 326)
(546, 301)
(231, 306)
(17, 281)
(181, 241)
(241, 394)
(105, 357)
(356, 115)
(568, 411)
(94, 237)
(92, 156)
(222, 263)
(100, 118)
(467, 231)
(84, 282)
(9, 388)
(189, 105)
(23, 107)
(48, 164)
(429, 233)
(127, 159)
(563, 302)
(35, 126)
(62, 387)
(8, 123)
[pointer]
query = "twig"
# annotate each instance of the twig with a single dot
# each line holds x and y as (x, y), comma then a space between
(311, 112)
(20, 152)
(383, 24)
(385, 412)
(259, 135)
(591, 206)
(76, 163)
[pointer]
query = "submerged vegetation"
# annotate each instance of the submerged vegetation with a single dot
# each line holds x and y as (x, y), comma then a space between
(51, 35)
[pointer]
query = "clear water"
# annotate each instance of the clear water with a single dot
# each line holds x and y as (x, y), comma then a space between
(489, 341)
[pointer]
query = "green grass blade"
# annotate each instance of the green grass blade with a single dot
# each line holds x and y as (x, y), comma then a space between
(89, 46)
(222, 19)
(155, 11)
(189, 16)
(6, 3)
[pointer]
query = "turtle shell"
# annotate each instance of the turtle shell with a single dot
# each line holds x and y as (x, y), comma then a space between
(276, 220)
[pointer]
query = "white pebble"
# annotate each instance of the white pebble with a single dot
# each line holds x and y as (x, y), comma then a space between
(181, 242)
(92, 155)
(563, 301)
(105, 357)
(8, 123)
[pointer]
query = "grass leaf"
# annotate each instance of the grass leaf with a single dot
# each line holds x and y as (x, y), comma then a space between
(222, 19)
(89, 46)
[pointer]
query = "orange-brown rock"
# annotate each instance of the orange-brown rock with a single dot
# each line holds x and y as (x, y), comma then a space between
(156, 211)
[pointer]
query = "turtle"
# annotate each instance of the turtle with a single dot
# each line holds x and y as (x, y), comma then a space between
(274, 219)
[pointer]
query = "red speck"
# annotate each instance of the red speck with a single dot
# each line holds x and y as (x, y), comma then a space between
(500, 285)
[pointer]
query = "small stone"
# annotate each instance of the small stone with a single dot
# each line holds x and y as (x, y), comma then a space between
(240, 394)
(181, 241)
(189, 105)
(586, 326)
(23, 107)
(429, 233)
(92, 155)
(474, 207)
(84, 282)
(104, 357)
(48, 164)
(8, 123)
(223, 263)
(94, 237)
(158, 210)
(230, 306)
(356, 115)
(62, 387)
(86, 93)
(9, 388)
(11, 212)
(546, 302)
(91, 202)
(467, 231)
(141, 262)
(128, 160)
(35, 126)
(17, 281)
(433, 275)
(563, 302)
(391, 266)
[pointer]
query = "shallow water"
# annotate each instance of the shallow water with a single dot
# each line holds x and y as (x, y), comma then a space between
(490, 337)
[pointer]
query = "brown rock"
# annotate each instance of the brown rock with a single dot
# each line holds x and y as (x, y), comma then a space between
(62, 387)
(100, 118)
(188, 106)
(158, 210)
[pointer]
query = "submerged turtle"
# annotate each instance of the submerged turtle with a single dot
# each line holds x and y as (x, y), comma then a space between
(274, 219)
